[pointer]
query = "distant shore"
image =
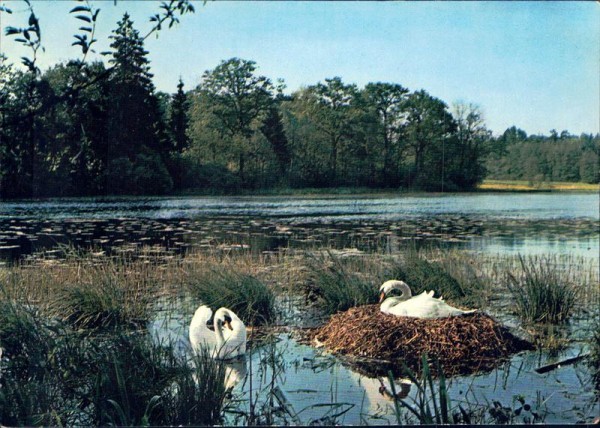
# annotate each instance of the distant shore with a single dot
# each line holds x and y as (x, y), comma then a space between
(529, 186)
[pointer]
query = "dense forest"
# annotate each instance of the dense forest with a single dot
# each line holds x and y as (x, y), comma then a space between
(80, 128)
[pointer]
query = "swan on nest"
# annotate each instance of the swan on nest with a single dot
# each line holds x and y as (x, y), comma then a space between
(422, 306)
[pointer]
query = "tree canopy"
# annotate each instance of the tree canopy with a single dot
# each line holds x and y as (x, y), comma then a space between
(81, 128)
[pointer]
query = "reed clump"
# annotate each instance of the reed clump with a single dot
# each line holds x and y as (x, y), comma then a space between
(251, 299)
(107, 303)
(119, 379)
(424, 275)
(543, 291)
(594, 361)
(338, 284)
(463, 344)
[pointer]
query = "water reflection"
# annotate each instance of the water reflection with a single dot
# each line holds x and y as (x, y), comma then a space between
(281, 381)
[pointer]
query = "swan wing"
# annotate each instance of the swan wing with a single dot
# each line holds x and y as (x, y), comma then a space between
(199, 333)
(425, 306)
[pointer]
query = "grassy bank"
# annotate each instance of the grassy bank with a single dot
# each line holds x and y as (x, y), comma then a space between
(530, 186)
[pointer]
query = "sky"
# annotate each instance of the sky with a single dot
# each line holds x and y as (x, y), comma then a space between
(534, 65)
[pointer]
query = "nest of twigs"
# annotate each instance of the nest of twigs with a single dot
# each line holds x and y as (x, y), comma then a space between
(462, 344)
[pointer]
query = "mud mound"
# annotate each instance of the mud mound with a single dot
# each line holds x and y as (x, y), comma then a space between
(463, 344)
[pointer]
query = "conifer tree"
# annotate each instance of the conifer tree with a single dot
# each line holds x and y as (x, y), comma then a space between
(135, 118)
(179, 119)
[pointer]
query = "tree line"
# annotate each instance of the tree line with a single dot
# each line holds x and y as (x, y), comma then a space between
(538, 158)
(81, 129)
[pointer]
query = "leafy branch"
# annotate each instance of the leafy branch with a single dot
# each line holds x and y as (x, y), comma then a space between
(29, 37)
(88, 15)
(169, 13)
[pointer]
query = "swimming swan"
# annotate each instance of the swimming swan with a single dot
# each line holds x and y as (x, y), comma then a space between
(229, 338)
(422, 306)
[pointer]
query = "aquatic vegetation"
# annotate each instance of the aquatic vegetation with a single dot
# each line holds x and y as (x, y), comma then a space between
(197, 396)
(594, 361)
(428, 407)
(104, 304)
(117, 378)
(339, 288)
(423, 275)
(542, 291)
(251, 299)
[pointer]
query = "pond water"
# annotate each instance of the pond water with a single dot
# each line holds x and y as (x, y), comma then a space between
(320, 388)
(560, 223)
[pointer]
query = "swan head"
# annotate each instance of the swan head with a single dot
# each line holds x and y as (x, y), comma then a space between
(225, 317)
(227, 322)
(394, 284)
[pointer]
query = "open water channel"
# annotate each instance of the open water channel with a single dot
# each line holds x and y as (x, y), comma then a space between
(317, 387)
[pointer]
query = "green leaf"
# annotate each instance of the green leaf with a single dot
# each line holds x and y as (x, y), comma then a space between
(84, 18)
(88, 29)
(5, 9)
(11, 31)
(80, 9)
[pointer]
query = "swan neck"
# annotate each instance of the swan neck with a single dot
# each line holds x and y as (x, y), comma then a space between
(219, 332)
(405, 289)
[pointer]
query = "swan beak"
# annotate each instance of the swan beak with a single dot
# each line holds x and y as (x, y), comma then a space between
(228, 325)
(381, 297)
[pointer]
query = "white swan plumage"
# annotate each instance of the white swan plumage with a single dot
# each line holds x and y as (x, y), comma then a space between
(228, 340)
(422, 306)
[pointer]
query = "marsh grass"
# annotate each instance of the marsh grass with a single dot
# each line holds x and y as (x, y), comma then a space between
(119, 379)
(594, 360)
(251, 299)
(340, 284)
(105, 304)
(542, 291)
(197, 397)
(432, 404)
(440, 276)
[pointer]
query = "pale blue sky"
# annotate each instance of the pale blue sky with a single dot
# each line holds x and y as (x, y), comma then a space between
(535, 65)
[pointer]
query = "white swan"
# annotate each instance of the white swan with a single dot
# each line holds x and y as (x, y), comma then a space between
(228, 340)
(422, 306)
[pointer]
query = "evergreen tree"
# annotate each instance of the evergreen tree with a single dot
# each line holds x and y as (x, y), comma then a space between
(179, 119)
(272, 129)
(134, 125)
(135, 118)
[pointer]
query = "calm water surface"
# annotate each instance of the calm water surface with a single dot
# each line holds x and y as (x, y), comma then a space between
(501, 205)
(318, 386)
(563, 223)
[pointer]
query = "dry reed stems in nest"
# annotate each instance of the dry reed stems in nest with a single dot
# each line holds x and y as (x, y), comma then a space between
(463, 344)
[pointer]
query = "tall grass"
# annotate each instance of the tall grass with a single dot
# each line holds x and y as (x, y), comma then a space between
(104, 304)
(421, 275)
(119, 379)
(431, 405)
(339, 286)
(594, 361)
(251, 299)
(543, 292)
